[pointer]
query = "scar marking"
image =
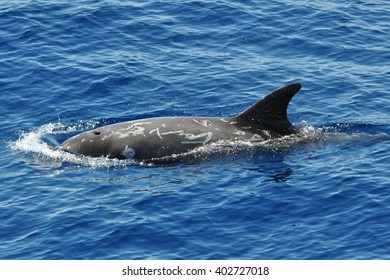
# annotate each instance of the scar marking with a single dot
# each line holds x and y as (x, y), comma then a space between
(239, 132)
(107, 136)
(157, 130)
(133, 129)
(192, 138)
(205, 123)
(256, 137)
(128, 152)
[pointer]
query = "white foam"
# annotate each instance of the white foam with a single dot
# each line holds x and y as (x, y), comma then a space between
(45, 154)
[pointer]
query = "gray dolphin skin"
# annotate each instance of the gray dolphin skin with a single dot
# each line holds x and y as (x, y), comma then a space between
(156, 138)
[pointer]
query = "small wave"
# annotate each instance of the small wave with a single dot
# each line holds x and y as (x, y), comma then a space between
(356, 128)
(41, 144)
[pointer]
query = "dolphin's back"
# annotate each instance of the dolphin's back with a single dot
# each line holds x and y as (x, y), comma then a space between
(153, 138)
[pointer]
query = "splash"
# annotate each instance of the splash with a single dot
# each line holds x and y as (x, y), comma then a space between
(41, 144)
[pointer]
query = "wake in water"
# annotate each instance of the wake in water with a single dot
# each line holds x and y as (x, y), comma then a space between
(41, 143)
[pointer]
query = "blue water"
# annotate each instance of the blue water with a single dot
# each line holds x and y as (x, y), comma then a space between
(67, 66)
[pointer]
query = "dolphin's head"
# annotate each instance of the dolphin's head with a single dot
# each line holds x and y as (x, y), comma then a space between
(91, 143)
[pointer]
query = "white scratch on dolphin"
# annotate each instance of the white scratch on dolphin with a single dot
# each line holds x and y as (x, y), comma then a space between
(157, 130)
(189, 136)
(205, 123)
(256, 137)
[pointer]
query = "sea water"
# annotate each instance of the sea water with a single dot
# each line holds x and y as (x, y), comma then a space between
(70, 66)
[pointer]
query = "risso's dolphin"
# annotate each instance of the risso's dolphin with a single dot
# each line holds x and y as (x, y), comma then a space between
(156, 138)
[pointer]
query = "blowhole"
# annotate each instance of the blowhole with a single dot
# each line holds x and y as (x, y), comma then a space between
(96, 132)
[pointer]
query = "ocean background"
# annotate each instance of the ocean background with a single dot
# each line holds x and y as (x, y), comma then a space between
(68, 66)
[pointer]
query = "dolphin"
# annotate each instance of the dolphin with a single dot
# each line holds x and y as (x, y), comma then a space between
(155, 138)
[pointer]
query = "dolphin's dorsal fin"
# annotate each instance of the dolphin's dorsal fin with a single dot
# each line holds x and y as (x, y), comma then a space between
(271, 111)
